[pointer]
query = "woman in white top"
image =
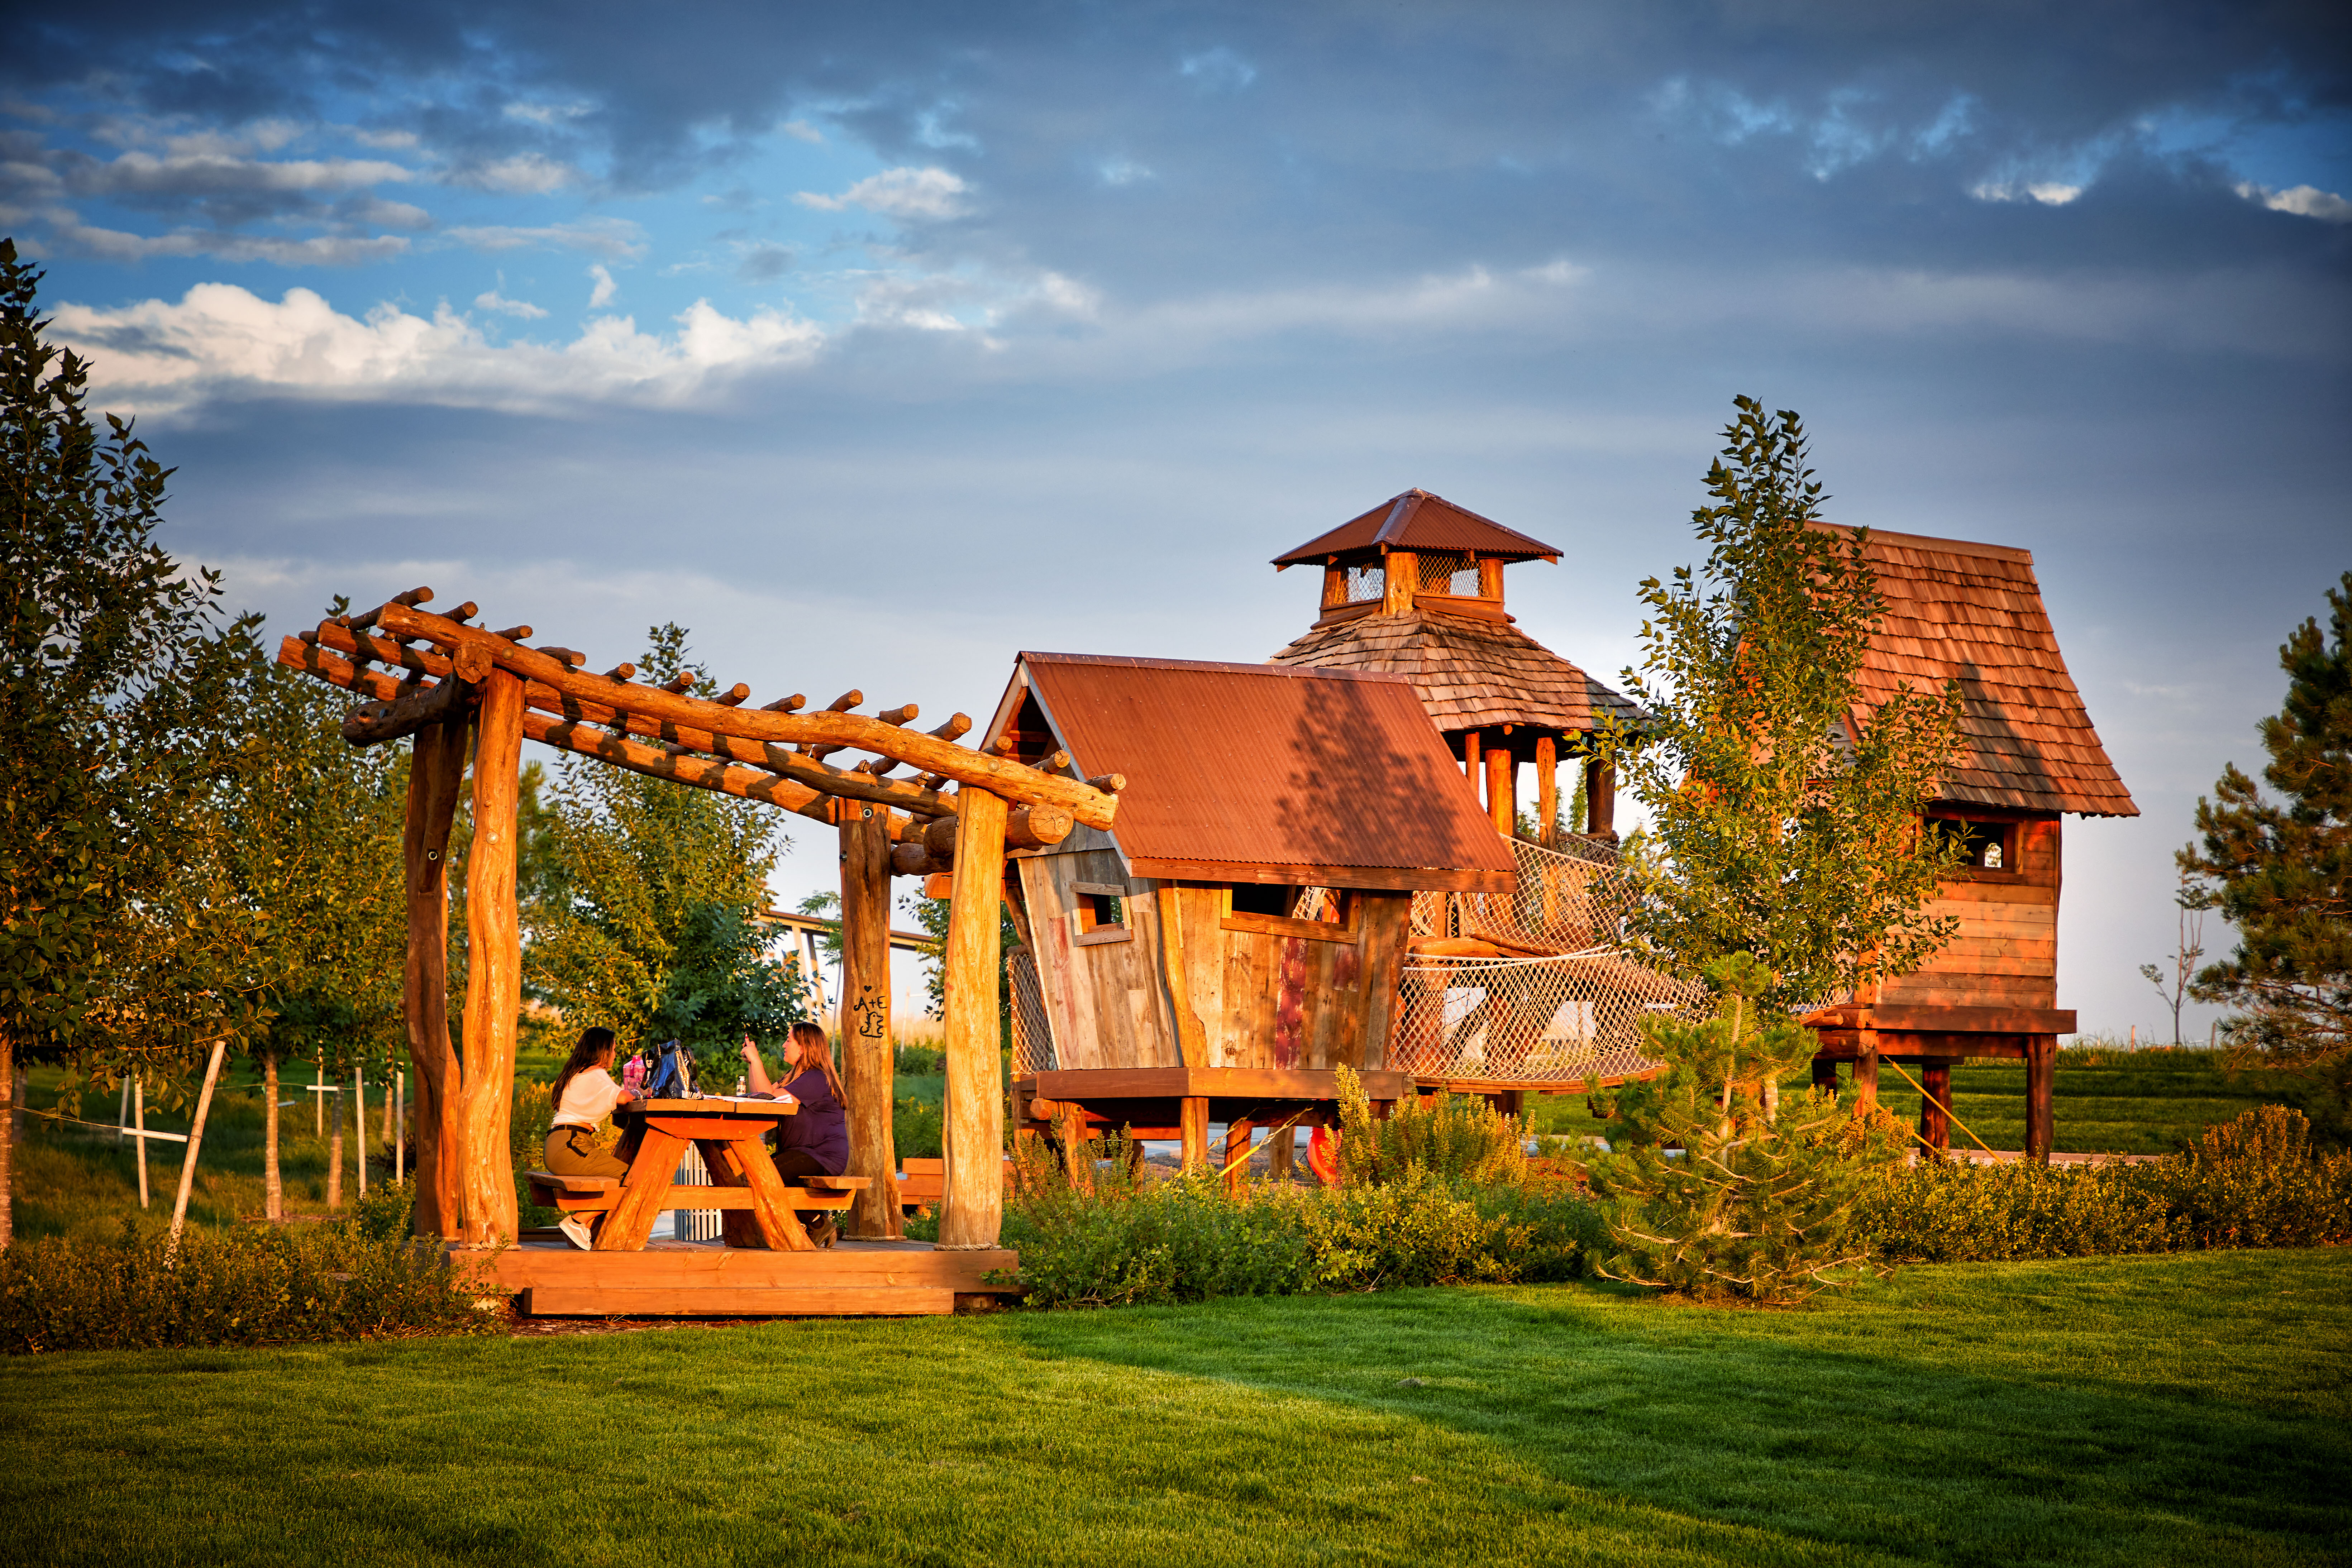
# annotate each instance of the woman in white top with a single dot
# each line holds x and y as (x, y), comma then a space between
(584, 1095)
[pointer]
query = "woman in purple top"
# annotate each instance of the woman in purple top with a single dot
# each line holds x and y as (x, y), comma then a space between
(814, 1141)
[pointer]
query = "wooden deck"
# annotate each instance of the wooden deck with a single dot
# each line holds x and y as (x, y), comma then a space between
(550, 1278)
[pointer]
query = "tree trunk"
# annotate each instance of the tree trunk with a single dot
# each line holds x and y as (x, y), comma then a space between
(195, 1143)
(866, 1068)
(971, 1205)
(437, 764)
(493, 968)
(8, 1154)
(334, 1150)
(273, 1190)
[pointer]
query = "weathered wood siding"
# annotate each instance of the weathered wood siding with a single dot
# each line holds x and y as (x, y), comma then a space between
(2006, 954)
(1106, 1001)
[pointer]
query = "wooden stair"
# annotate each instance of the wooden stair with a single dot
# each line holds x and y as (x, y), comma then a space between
(853, 1279)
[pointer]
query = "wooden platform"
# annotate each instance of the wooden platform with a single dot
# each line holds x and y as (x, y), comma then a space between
(699, 1279)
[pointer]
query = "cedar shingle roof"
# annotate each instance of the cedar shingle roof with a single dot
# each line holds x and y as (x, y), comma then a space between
(1470, 673)
(1418, 520)
(1973, 611)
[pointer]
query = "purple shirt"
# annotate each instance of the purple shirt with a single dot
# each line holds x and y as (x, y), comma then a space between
(821, 1125)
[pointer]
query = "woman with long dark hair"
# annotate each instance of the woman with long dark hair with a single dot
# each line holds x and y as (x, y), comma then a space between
(814, 1141)
(584, 1095)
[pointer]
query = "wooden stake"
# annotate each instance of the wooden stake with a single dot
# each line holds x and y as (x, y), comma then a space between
(335, 1150)
(971, 1205)
(493, 967)
(195, 1140)
(139, 1121)
(868, 1072)
(399, 1126)
(437, 765)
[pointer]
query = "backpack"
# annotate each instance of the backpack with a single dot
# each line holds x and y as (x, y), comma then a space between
(672, 1077)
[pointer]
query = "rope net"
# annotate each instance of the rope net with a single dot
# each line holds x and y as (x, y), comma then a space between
(1033, 1037)
(1565, 1001)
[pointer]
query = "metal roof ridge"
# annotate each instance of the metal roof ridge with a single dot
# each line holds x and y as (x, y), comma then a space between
(1138, 662)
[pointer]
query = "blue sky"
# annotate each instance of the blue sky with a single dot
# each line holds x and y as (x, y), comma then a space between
(877, 343)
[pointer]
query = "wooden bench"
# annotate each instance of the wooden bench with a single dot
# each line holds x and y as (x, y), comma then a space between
(922, 1182)
(595, 1195)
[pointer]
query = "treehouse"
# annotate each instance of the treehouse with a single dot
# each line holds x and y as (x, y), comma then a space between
(1414, 587)
(2028, 758)
(1236, 937)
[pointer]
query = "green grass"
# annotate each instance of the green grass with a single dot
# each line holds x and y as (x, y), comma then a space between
(2105, 1102)
(2138, 1412)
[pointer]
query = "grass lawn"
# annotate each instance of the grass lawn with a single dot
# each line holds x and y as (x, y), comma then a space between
(2106, 1101)
(2145, 1412)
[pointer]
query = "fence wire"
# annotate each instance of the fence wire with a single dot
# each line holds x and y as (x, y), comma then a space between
(1033, 1037)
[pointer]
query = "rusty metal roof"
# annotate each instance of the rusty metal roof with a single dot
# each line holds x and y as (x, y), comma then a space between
(1255, 772)
(1418, 520)
(1973, 612)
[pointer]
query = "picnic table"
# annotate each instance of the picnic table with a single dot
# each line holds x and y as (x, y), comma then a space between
(731, 1133)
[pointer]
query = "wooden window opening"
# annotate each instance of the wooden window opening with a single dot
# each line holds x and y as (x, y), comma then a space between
(1102, 913)
(1988, 846)
(1279, 909)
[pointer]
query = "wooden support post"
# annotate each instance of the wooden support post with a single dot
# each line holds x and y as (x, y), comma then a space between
(493, 967)
(1192, 1128)
(1865, 1074)
(196, 1142)
(335, 1147)
(1400, 578)
(1547, 791)
(2040, 1080)
(1825, 1073)
(273, 1185)
(972, 1198)
(1470, 762)
(359, 1126)
(1077, 1145)
(1600, 797)
(1936, 1105)
(1281, 1162)
(1237, 1141)
(1502, 788)
(866, 1069)
(139, 1123)
(437, 765)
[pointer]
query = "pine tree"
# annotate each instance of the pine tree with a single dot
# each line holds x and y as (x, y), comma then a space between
(2282, 873)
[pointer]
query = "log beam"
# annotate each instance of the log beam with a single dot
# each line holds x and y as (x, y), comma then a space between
(972, 1208)
(373, 723)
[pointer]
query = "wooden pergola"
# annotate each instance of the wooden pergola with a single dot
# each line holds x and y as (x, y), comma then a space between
(433, 679)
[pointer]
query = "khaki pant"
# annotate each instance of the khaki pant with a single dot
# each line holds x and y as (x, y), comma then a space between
(572, 1150)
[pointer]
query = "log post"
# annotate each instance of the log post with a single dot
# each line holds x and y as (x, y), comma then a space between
(1865, 1072)
(1600, 799)
(1936, 1105)
(1077, 1145)
(1237, 1142)
(1547, 791)
(493, 968)
(1825, 1074)
(1192, 1129)
(2040, 1080)
(971, 1199)
(437, 765)
(1502, 788)
(866, 1069)
(1279, 1160)
(1400, 578)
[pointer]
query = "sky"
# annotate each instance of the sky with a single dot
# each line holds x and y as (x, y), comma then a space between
(877, 343)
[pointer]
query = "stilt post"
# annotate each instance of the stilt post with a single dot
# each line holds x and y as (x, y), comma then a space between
(971, 1205)
(1548, 791)
(2040, 1082)
(866, 1069)
(493, 967)
(437, 765)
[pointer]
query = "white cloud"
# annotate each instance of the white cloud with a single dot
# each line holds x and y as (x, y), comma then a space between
(494, 300)
(1123, 172)
(896, 193)
(802, 130)
(2049, 193)
(386, 139)
(602, 295)
(2303, 200)
(1218, 70)
(615, 237)
(221, 342)
(212, 172)
(545, 113)
(524, 174)
(67, 230)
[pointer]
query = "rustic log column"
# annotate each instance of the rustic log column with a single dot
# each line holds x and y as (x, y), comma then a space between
(866, 1064)
(1400, 578)
(1936, 1105)
(1192, 1130)
(493, 967)
(1281, 1159)
(1547, 791)
(1470, 761)
(1077, 1145)
(1599, 797)
(1865, 1072)
(1502, 788)
(2040, 1080)
(1825, 1073)
(1237, 1139)
(972, 1203)
(437, 766)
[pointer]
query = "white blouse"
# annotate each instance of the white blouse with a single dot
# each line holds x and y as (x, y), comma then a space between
(588, 1098)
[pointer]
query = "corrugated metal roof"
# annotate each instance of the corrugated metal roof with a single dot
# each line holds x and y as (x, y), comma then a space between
(1418, 520)
(1470, 674)
(1958, 610)
(1263, 769)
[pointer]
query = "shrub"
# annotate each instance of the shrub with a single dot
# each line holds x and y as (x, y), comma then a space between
(1452, 1137)
(252, 1286)
(915, 1127)
(2252, 1182)
(922, 1060)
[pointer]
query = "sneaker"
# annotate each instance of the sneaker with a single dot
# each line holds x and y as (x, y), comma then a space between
(575, 1230)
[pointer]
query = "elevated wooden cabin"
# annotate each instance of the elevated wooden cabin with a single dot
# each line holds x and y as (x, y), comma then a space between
(1414, 587)
(2029, 757)
(1236, 937)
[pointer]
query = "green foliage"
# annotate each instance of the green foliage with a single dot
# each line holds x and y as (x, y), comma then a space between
(1451, 1137)
(916, 1127)
(1755, 1200)
(2253, 1182)
(1126, 1234)
(383, 1212)
(249, 1286)
(931, 915)
(648, 924)
(114, 671)
(1774, 829)
(2282, 873)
